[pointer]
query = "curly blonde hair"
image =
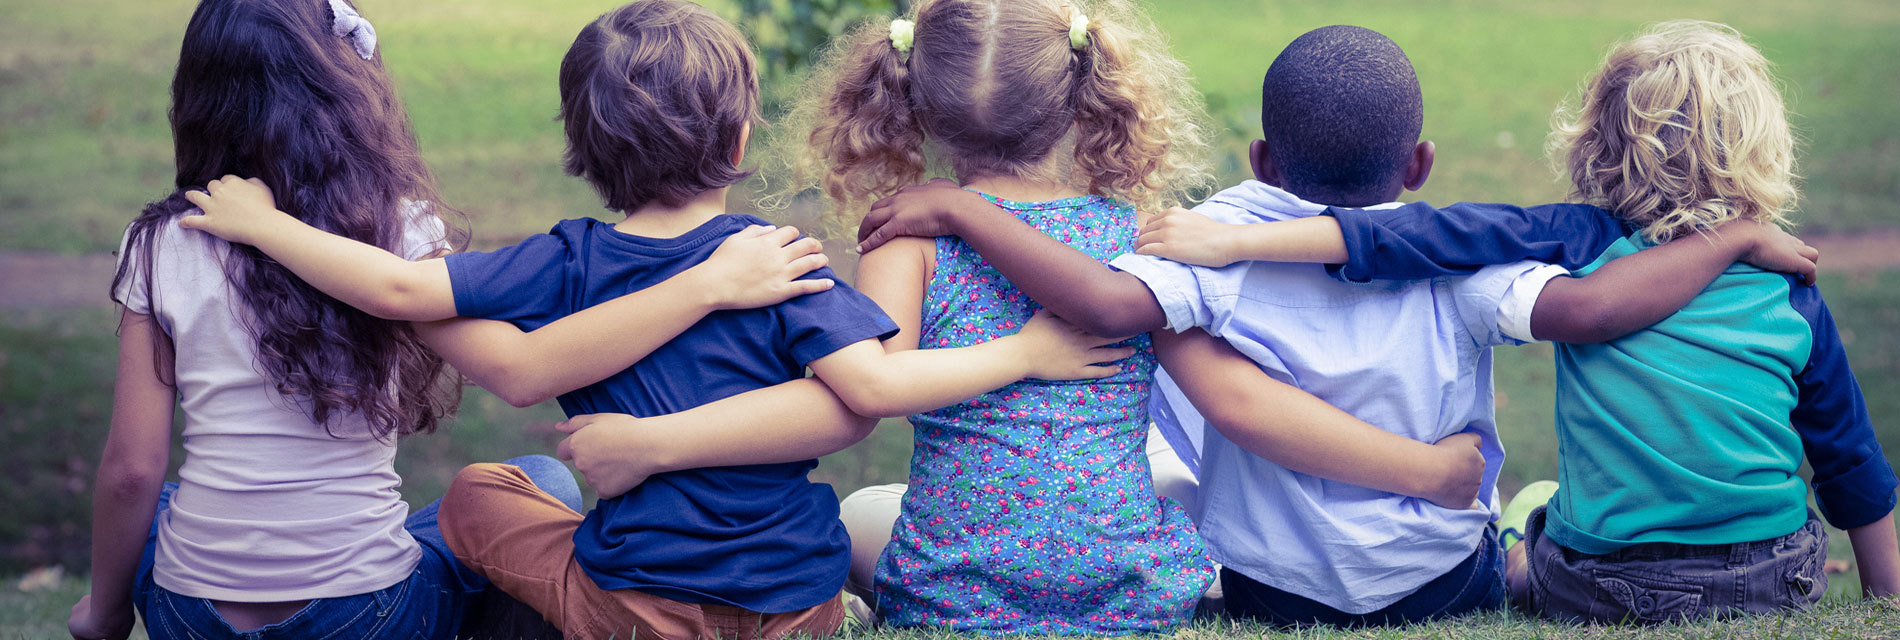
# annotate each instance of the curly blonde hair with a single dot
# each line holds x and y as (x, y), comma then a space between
(993, 87)
(1682, 129)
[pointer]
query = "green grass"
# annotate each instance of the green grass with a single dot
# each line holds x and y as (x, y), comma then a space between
(83, 90)
(42, 614)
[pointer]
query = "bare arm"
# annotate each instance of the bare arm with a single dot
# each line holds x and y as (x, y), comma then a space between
(789, 422)
(756, 267)
(1291, 428)
(802, 419)
(1877, 552)
(1188, 237)
(364, 276)
(895, 379)
(131, 473)
(1638, 290)
(1076, 287)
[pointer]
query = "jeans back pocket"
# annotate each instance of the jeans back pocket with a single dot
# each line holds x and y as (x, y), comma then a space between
(1645, 597)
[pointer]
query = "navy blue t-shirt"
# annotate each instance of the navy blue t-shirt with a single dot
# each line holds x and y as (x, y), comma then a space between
(760, 537)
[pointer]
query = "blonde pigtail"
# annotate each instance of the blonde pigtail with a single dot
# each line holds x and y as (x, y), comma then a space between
(865, 141)
(1140, 125)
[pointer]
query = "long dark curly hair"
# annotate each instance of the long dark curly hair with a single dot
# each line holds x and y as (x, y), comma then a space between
(264, 89)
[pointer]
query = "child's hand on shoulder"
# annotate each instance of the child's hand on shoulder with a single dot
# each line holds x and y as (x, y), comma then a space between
(1057, 350)
(1187, 237)
(613, 451)
(235, 209)
(1774, 249)
(1461, 466)
(927, 210)
(760, 267)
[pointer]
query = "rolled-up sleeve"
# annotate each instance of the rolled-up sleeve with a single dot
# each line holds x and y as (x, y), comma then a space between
(1175, 287)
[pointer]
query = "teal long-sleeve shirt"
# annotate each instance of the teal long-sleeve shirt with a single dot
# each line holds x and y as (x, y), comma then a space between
(1690, 431)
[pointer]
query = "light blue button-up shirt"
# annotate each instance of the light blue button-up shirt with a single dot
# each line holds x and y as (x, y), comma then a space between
(1411, 357)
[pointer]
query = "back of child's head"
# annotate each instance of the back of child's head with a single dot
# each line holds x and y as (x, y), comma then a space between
(999, 88)
(1682, 129)
(655, 98)
(266, 88)
(1341, 112)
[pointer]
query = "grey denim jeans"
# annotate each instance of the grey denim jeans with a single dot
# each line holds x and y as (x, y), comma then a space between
(1660, 581)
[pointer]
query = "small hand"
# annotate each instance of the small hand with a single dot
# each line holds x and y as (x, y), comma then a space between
(1058, 350)
(1462, 471)
(234, 209)
(1188, 238)
(927, 210)
(760, 267)
(1774, 249)
(608, 449)
(87, 623)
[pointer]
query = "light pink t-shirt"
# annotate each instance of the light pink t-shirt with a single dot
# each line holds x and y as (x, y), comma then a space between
(270, 507)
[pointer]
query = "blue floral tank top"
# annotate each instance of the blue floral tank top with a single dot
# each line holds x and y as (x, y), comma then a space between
(1031, 508)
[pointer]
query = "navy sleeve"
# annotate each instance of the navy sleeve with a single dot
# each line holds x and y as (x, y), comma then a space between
(1418, 241)
(1853, 481)
(524, 282)
(818, 324)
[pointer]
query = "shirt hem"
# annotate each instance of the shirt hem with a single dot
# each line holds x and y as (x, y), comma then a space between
(1575, 539)
(329, 589)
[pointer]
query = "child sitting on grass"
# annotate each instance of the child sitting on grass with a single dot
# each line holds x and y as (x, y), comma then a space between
(657, 98)
(1679, 445)
(1342, 115)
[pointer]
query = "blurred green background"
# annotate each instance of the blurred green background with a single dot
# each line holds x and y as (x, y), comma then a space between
(84, 142)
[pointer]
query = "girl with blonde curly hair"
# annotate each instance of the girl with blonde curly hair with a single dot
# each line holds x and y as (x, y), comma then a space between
(1030, 509)
(1679, 444)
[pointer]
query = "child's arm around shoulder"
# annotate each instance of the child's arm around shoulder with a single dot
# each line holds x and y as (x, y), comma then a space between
(895, 378)
(1410, 242)
(1641, 289)
(1076, 287)
(131, 474)
(1625, 295)
(369, 278)
(757, 267)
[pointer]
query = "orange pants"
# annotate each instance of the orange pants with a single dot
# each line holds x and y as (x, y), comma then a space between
(522, 539)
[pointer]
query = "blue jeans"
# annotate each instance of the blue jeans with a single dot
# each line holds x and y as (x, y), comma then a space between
(1477, 584)
(432, 603)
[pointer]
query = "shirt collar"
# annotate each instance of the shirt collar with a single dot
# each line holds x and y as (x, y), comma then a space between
(1268, 203)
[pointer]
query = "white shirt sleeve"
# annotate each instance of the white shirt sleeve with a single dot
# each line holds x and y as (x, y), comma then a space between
(423, 233)
(1514, 309)
(1174, 287)
(132, 290)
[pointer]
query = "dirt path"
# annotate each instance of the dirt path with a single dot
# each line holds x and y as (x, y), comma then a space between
(38, 280)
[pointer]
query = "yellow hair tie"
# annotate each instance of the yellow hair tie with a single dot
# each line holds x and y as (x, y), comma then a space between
(903, 35)
(1078, 31)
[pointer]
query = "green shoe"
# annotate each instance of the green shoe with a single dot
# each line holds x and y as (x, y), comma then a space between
(858, 616)
(1517, 512)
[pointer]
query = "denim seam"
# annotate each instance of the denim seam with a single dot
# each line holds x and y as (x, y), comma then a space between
(338, 629)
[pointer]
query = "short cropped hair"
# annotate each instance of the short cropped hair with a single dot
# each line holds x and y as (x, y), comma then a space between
(654, 97)
(1341, 111)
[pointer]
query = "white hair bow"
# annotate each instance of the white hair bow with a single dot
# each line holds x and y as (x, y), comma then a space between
(354, 28)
